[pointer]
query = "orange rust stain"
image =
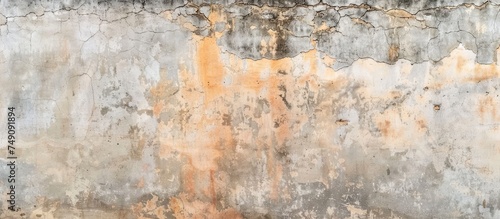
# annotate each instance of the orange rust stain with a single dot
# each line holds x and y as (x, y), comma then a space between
(210, 68)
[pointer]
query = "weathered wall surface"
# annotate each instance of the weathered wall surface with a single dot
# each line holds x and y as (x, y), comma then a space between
(252, 109)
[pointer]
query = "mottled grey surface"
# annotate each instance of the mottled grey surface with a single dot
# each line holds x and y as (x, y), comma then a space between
(252, 109)
(345, 30)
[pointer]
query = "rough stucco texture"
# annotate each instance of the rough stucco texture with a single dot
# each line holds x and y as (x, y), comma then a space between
(252, 109)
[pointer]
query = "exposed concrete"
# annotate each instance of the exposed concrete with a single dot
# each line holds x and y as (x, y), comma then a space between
(252, 109)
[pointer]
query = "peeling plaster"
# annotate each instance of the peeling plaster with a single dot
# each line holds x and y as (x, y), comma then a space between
(252, 109)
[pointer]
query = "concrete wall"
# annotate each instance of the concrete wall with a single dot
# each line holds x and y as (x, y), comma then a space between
(252, 108)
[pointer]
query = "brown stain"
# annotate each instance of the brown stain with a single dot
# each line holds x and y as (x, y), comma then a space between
(252, 69)
(362, 22)
(277, 125)
(182, 208)
(484, 72)
(138, 143)
(213, 193)
(213, 141)
(210, 68)
(385, 128)
(175, 205)
(159, 213)
(203, 151)
(217, 16)
(188, 178)
(250, 79)
(334, 85)
(460, 68)
(276, 181)
(200, 191)
(151, 207)
(475, 72)
(280, 80)
(137, 209)
(140, 184)
(158, 108)
(327, 60)
(421, 125)
(59, 57)
(230, 213)
(279, 77)
(400, 126)
(461, 61)
(151, 204)
(160, 92)
(311, 57)
(487, 108)
(399, 13)
(342, 122)
(395, 94)
(393, 53)
(279, 109)
(65, 50)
